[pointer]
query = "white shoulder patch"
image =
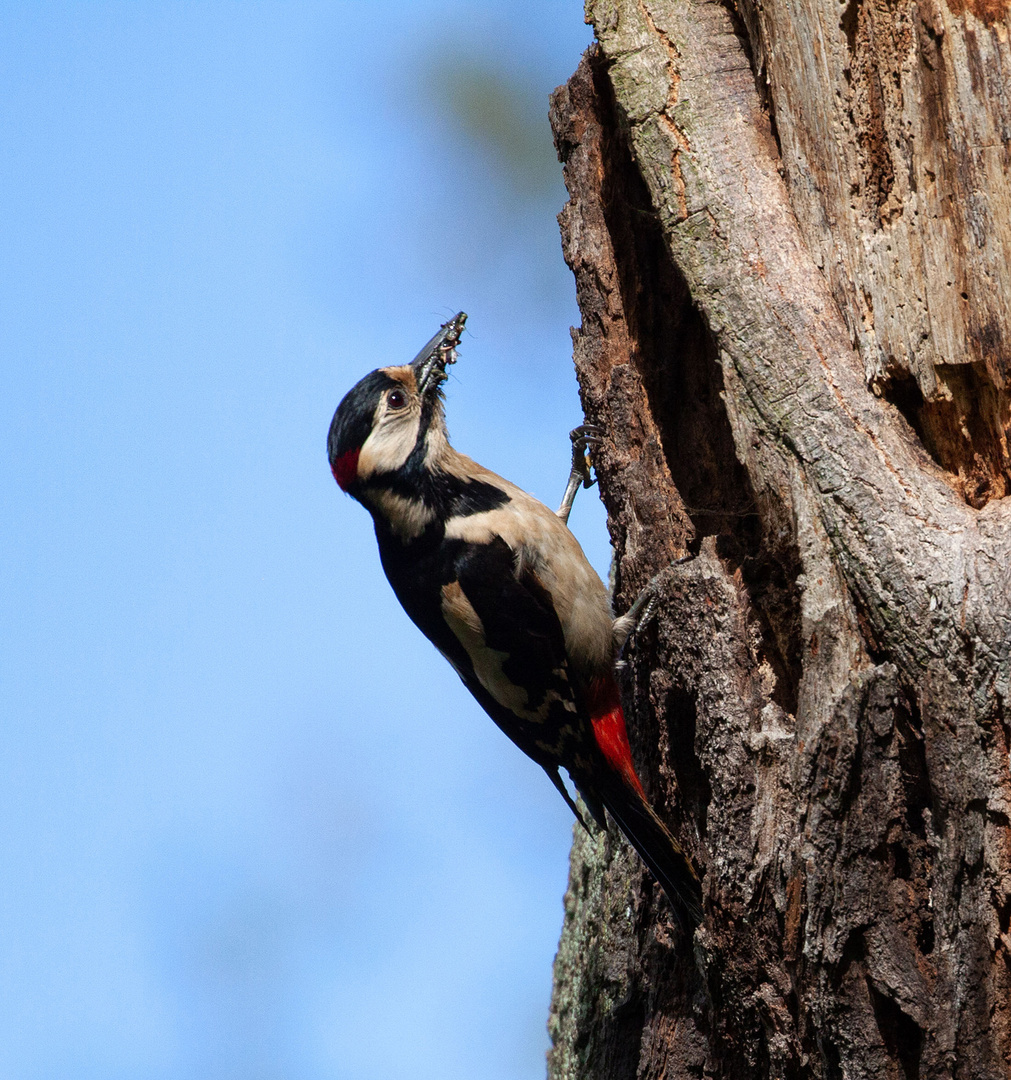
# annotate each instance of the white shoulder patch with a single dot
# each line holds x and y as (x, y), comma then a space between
(542, 544)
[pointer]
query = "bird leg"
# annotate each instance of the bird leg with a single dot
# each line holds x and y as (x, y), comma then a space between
(582, 439)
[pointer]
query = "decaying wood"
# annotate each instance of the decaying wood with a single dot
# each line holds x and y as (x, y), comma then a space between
(899, 180)
(793, 395)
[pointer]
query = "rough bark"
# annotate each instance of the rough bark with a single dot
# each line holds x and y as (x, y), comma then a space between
(789, 227)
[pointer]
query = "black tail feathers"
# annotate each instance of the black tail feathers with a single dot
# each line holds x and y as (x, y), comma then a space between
(659, 851)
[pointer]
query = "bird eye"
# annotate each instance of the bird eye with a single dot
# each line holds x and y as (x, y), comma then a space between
(396, 399)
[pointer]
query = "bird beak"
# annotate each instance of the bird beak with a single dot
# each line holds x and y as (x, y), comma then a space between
(430, 364)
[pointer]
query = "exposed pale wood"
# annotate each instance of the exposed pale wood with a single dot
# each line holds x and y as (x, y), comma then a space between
(895, 127)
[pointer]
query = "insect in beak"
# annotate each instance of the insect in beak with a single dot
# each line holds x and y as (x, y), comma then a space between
(430, 364)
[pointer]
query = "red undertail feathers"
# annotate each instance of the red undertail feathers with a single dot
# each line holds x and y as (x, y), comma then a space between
(627, 803)
(609, 730)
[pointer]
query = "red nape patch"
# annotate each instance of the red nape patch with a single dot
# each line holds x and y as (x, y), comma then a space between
(609, 730)
(345, 469)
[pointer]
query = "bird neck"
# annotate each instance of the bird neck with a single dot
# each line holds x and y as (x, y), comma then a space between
(434, 485)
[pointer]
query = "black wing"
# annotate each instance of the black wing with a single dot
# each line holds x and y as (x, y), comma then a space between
(515, 617)
(525, 668)
(523, 680)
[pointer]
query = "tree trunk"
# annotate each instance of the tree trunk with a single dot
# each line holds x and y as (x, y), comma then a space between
(790, 228)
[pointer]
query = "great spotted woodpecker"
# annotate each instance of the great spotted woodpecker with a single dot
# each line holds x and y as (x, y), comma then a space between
(497, 582)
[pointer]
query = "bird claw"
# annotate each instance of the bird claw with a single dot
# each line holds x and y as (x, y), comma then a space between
(641, 612)
(583, 438)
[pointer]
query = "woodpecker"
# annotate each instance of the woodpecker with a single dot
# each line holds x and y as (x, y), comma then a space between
(497, 582)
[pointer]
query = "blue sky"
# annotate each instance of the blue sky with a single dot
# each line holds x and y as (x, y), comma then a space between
(253, 827)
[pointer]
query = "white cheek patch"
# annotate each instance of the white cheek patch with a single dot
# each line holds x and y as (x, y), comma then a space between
(389, 444)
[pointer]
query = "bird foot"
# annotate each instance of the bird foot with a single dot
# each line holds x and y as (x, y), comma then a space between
(641, 612)
(583, 438)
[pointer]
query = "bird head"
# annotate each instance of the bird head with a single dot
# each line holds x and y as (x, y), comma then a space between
(393, 415)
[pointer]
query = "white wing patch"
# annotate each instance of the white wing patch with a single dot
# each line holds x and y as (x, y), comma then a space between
(544, 545)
